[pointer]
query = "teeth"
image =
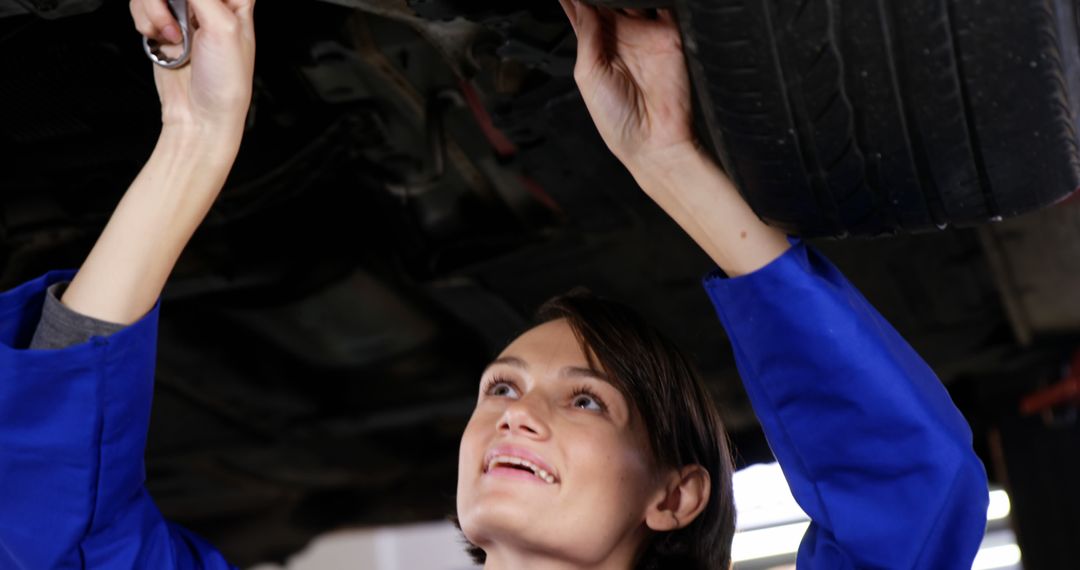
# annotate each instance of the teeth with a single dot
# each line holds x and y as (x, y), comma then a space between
(510, 460)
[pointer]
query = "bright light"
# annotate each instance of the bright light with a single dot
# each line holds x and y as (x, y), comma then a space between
(763, 498)
(785, 540)
(771, 524)
(1004, 556)
(768, 542)
(1000, 506)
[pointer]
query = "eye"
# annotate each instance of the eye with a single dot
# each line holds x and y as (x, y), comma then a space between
(586, 400)
(501, 389)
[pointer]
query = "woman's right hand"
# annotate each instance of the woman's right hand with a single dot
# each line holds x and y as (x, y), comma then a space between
(211, 94)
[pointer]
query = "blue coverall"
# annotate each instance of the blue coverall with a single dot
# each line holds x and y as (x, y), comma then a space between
(868, 438)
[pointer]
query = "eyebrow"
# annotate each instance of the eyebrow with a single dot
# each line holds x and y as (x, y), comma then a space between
(580, 372)
(510, 361)
(567, 371)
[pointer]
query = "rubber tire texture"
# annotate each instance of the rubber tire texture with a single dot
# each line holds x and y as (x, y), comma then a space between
(870, 117)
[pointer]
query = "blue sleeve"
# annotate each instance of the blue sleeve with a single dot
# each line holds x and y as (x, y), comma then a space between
(868, 438)
(73, 426)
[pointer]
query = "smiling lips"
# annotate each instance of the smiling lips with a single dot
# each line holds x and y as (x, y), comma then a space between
(511, 461)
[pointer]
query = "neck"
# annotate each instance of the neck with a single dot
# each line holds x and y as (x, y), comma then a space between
(503, 558)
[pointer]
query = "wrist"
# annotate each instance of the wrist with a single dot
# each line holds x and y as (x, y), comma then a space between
(670, 170)
(206, 146)
(696, 193)
(189, 166)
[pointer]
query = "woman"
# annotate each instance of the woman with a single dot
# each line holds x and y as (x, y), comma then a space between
(592, 445)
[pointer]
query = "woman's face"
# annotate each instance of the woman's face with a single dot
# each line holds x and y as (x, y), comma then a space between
(554, 461)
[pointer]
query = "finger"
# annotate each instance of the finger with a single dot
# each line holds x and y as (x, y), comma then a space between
(142, 21)
(244, 9)
(214, 16)
(571, 12)
(138, 16)
(161, 18)
(590, 33)
(237, 5)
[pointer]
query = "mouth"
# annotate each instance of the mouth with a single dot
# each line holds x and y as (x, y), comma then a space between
(512, 464)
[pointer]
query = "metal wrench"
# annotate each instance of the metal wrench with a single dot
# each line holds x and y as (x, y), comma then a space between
(180, 11)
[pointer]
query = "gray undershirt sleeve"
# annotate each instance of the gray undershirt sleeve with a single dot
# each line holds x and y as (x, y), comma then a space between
(61, 327)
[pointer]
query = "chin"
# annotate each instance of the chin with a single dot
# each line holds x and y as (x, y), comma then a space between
(510, 527)
(497, 519)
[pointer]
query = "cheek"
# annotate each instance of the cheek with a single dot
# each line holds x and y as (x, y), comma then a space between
(609, 486)
(615, 468)
(474, 442)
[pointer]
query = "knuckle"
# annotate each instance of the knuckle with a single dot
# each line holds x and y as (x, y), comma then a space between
(135, 8)
(143, 25)
(160, 14)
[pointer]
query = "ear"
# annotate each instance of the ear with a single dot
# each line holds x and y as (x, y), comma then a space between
(684, 496)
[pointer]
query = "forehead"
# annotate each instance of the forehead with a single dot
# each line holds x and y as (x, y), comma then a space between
(552, 343)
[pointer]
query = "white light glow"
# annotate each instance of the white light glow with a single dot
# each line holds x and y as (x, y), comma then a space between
(1004, 556)
(1000, 506)
(784, 540)
(768, 542)
(763, 498)
(771, 524)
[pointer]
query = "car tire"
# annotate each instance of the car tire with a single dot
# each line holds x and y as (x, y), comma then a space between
(870, 117)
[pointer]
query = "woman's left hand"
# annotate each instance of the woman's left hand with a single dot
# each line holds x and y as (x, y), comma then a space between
(632, 74)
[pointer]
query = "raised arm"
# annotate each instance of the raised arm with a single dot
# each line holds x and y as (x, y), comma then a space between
(204, 106)
(73, 419)
(633, 77)
(874, 449)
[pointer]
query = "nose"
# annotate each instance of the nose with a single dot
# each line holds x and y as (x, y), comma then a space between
(525, 417)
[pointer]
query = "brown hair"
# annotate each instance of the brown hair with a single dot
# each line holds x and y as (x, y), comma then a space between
(680, 417)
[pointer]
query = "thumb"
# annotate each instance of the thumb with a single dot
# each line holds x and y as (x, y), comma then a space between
(571, 12)
(244, 10)
(172, 86)
(213, 16)
(590, 32)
